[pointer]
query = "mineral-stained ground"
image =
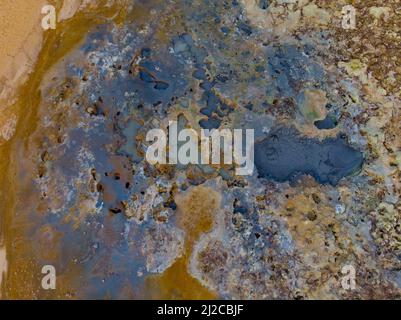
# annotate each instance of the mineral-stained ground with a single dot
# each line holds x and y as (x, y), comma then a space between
(324, 102)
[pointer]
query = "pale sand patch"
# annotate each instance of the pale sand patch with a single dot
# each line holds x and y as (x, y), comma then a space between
(3, 265)
(21, 37)
(68, 9)
(20, 41)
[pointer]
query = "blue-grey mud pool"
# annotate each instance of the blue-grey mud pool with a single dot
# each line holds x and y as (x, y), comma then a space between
(324, 102)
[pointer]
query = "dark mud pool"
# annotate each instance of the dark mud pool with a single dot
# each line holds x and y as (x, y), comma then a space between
(283, 155)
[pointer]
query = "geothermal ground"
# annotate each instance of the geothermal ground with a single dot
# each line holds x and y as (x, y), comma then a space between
(77, 192)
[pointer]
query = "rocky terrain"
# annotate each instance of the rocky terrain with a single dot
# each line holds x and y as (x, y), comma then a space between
(324, 103)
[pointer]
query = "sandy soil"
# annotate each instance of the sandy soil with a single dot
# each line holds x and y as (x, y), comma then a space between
(20, 42)
(21, 38)
(3, 264)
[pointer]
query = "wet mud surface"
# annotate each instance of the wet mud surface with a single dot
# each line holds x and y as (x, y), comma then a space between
(284, 156)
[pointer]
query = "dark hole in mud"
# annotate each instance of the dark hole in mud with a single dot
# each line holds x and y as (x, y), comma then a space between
(264, 4)
(329, 122)
(285, 155)
(211, 123)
